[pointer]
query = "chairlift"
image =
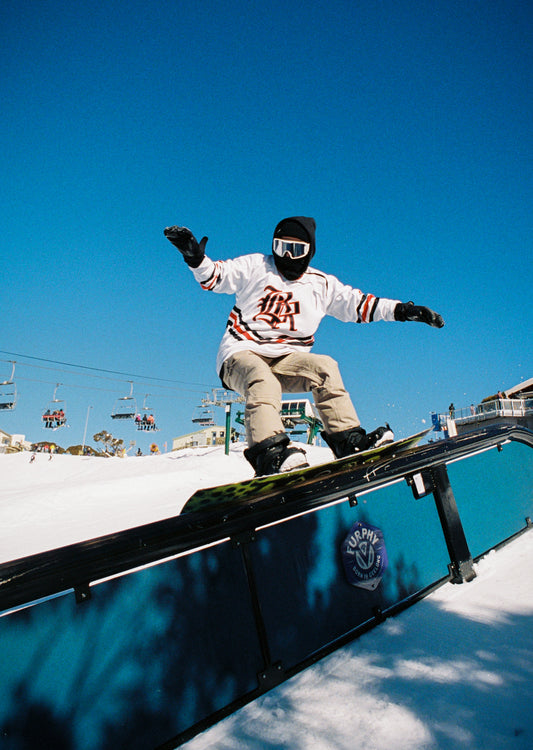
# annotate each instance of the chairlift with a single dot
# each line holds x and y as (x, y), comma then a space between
(147, 420)
(125, 406)
(298, 412)
(204, 416)
(54, 416)
(8, 392)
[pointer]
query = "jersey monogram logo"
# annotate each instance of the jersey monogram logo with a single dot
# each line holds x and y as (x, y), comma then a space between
(278, 308)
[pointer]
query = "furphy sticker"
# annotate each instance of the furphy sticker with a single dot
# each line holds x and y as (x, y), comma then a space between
(364, 556)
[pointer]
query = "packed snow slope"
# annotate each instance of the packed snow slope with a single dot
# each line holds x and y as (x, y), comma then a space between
(47, 503)
(453, 672)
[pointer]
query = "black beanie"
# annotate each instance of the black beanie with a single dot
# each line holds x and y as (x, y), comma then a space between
(291, 228)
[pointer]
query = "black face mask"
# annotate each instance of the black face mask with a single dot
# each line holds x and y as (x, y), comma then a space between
(291, 268)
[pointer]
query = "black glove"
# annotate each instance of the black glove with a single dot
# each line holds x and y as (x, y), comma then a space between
(409, 311)
(182, 238)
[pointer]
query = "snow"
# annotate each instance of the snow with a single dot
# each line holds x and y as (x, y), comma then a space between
(96, 496)
(453, 671)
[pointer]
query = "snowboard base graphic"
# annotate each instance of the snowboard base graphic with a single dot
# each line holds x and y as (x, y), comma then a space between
(227, 495)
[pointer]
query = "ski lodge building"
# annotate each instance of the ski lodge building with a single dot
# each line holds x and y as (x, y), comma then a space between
(211, 435)
(512, 407)
(12, 443)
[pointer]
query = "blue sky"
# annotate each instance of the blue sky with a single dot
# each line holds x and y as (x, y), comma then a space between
(405, 129)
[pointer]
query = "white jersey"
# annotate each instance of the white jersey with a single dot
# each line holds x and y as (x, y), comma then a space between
(273, 316)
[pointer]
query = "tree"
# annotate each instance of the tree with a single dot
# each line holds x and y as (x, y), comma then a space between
(112, 445)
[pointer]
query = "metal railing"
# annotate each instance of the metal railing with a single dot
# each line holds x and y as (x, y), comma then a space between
(503, 407)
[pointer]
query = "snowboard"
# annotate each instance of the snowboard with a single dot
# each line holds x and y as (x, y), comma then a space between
(227, 495)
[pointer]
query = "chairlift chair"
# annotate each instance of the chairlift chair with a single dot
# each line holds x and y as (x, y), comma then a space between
(54, 416)
(204, 417)
(147, 420)
(8, 392)
(126, 406)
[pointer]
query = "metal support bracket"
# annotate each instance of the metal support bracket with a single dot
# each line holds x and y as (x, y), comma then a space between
(243, 538)
(352, 500)
(422, 483)
(461, 566)
(82, 593)
(271, 676)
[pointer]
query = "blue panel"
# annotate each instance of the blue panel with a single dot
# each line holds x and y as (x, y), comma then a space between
(494, 494)
(150, 654)
(306, 599)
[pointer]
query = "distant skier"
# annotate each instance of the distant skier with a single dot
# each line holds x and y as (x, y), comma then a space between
(266, 349)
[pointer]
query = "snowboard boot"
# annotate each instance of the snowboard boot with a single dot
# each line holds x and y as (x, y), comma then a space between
(274, 455)
(356, 439)
(380, 436)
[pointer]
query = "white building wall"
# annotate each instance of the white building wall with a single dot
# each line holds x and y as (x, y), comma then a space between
(213, 435)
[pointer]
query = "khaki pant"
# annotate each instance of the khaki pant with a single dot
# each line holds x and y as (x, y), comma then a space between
(262, 380)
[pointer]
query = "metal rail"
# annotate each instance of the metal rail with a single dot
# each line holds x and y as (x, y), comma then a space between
(76, 566)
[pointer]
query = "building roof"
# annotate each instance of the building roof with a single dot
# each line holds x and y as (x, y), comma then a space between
(522, 390)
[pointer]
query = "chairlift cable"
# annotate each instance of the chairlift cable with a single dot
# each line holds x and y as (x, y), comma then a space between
(101, 369)
(106, 390)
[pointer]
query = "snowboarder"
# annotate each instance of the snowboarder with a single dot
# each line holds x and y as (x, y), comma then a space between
(266, 348)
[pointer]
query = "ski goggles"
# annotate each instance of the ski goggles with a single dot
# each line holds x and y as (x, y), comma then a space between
(293, 248)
